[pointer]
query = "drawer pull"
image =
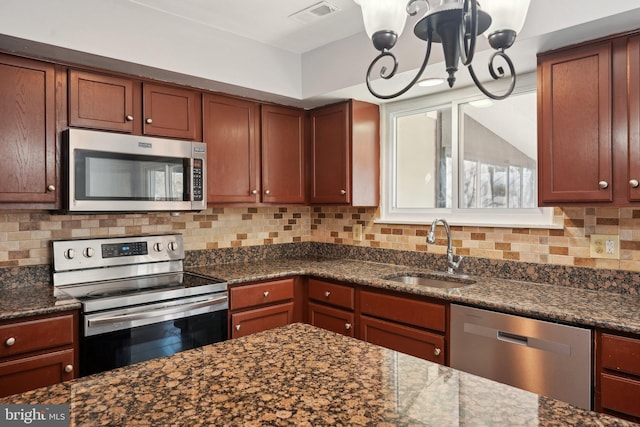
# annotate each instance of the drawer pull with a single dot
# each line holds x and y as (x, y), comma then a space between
(128, 118)
(437, 351)
(327, 293)
(149, 121)
(237, 327)
(10, 341)
(68, 369)
(347, 326)
(266, 294)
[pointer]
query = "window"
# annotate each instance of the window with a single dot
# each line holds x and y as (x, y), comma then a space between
(471, 161)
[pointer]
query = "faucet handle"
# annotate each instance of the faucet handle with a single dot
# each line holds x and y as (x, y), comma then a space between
(456, 260)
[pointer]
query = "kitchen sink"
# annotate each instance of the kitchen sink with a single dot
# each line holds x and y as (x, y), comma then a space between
(432, 281)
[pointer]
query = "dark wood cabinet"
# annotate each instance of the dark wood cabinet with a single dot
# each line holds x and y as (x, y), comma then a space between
(618, 375)
(331, 319)
(575, 125)
(28, 137)
(98, 101)
(232, 132)
(345, 154)
(38, 352)
(124, 104)
(171, 112)
(589, 124)
(283, 155)
(404, 324)
(331, 306)
(260, 306)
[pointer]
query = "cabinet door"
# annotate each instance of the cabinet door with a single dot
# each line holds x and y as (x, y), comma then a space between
(575, 125)
(402, 338)
(330, 154)
(283, 166)
(27, 131)
(20, 375)
(231, 131)
(172, 112)
(101, 102)
(332, 319)
(633, 53)
(261, 319)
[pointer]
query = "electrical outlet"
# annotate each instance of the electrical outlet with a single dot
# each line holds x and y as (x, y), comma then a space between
(605, 246)
(357, 232)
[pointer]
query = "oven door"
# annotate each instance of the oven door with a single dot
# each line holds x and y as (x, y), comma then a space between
(122, 337)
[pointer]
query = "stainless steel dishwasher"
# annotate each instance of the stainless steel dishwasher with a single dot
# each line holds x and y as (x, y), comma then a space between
(543, 357)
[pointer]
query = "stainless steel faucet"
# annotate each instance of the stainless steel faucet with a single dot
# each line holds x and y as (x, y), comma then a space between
(453, 261)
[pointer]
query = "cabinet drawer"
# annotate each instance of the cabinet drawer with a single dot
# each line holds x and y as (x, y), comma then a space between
(620, 394)
(29, 373)
(261, 293)
(331, 293)
(405, 339)
(33, 335)
(331, 319)
(418, 313)
(261, 319)
(620, 354)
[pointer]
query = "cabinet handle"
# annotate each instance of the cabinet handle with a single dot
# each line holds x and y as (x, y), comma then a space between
(634, 183)
(254, 191)
(265, 293)
(343, 192)
(129, 118)
(347, 326)
(237, 327)
(437, 351)
(327, 293)
(267, 192)
(68, 368)
(603, 184)
(149, 121)
(52, 187)
(10, 341)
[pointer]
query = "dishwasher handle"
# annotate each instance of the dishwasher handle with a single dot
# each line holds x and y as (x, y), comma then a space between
(513, 338)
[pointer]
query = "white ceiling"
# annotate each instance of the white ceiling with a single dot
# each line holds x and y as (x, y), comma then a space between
(252, 48)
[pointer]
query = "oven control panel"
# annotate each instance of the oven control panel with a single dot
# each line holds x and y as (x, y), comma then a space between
(79, 254)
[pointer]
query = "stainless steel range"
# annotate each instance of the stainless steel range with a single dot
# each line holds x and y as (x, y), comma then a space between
(137, 302)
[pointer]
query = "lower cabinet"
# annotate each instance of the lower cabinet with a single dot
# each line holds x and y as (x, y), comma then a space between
(618, 375)
(331, 306)
(331, 319)
(260, 306)
(38, 352)
(404, 324)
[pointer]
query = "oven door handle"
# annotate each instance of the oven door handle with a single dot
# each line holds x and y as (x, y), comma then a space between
(155, 313)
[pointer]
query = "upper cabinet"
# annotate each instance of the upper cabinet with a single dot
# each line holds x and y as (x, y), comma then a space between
(232, 133)
(345, 154)
(99, 101)
(283, 155)
(28, 132)
(122, 104)
(589, 124)
(172, 112)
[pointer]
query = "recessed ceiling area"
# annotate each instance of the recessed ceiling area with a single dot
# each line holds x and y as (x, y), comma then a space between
(255, 48)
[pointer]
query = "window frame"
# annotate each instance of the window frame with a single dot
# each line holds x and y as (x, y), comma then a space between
(539, 217)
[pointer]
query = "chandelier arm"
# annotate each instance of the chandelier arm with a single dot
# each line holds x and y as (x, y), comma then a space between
(386, 76)
(469, 11)
(496, 75)
(414, 11)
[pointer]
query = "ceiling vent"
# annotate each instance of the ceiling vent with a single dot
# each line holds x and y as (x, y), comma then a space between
(315, 12)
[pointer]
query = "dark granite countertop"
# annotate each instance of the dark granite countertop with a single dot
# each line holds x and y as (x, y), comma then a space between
(550, 302)
(609, 310)
(303, 376)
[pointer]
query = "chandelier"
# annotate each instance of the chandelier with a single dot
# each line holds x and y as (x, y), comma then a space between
(454, 23)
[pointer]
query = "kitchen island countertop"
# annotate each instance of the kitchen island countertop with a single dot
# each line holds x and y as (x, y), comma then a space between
(303, 376)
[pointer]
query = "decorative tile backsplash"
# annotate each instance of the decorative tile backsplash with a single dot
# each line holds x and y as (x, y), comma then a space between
(25, 237)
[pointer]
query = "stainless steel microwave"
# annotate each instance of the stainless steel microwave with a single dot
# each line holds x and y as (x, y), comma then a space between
(112, 172)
